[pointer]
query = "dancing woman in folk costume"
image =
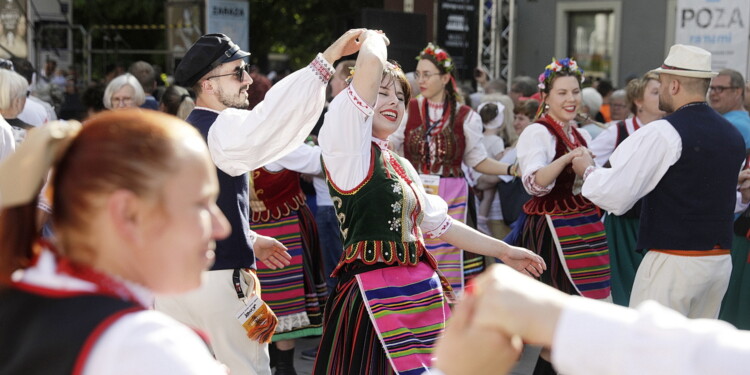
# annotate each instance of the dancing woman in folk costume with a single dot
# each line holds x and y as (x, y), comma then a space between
(134, 214)
(561, 225)
(622, 230)
(296, 293)
(437, 136)
(388, 307)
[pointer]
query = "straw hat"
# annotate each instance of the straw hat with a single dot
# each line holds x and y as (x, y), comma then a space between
(687, 61)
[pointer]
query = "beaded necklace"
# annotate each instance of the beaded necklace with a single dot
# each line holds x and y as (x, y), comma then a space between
(558, 129)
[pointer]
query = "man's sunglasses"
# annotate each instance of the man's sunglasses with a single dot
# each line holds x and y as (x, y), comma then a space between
(237, 73)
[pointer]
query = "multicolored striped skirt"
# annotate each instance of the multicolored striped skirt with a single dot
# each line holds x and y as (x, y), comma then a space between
(458, 266)
(574, 246)
(382, 320)
(297, 292)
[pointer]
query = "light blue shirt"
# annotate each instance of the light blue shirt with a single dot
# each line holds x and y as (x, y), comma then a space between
(741, 120)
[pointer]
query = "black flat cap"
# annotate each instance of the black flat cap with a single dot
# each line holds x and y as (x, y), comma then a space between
(208, 52)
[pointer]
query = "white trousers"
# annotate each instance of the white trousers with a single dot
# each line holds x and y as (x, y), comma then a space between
(212, 309)
(693, 286)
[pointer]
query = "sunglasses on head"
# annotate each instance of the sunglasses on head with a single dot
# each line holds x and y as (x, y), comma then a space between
(238, 73)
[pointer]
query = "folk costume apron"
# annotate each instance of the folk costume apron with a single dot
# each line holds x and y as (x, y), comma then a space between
(436, 150)
(565, 229)
(296, 293)
(389, 308)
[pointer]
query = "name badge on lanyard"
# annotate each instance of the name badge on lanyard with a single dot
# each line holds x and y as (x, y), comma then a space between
(430, 182)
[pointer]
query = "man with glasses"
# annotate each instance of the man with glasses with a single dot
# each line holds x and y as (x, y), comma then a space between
(727, 96)
(240, 141)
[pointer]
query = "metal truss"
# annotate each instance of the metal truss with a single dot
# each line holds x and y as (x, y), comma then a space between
(496, 37)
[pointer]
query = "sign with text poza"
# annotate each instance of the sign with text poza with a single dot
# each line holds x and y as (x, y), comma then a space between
(721, 27)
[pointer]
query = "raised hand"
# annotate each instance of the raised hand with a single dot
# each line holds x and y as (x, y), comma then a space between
(345, 45)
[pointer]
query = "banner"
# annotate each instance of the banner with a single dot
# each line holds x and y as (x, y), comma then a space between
(457, 33)
(13, 30)
(184, 20)
(231, 18)
(718, 26)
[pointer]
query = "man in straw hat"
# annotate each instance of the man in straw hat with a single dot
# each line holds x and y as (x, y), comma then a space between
(241, 141)
(686, 167)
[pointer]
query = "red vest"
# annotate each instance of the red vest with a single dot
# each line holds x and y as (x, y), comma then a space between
(449, 142)
(561, 198)
(276, 194)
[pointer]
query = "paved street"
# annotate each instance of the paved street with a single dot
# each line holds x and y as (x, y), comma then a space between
(304, 367)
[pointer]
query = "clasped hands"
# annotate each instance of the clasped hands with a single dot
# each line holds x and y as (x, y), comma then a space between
(581, 158)
(502, 310)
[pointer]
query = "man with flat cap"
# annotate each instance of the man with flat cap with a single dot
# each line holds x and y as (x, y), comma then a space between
(240, 141)
(686, 167)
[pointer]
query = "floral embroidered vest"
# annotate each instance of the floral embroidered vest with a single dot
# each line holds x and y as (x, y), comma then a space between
(449, 142)
(274, 194)
(379, 219)
(561, 198)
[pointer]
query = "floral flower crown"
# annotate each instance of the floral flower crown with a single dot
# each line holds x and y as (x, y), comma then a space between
(551, 70)
(441, 56)
(388, 67)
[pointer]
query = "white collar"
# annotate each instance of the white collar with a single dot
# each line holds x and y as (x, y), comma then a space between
(382, 143)
(44, 274)
(207, 109)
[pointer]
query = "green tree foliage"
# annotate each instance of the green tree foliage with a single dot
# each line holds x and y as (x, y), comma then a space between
(296, 28)
(300, 29)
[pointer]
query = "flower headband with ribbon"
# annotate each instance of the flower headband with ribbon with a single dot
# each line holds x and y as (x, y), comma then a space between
(550, 71)
(440, 55)
(24, 171)
(388, 68)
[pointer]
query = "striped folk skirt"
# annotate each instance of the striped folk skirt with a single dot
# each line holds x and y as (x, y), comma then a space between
(297, 292)
(458, 266)
(574, 246)
(382, 320)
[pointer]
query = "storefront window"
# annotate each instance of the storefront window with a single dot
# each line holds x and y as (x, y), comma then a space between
(591, 41)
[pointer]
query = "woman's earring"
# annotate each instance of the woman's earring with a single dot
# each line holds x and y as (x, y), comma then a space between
(546, 107)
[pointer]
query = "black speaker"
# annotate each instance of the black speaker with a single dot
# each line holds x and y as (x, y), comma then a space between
(406, 31)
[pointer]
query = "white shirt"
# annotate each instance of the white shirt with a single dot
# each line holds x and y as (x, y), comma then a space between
(346, 138)
(35, 113)
(605, 339)
(638, 164)
(603, 145)
(145, 342)
(304, 159)
(474, 152)
(241, 140)
(322, 194)
(536, 149)
(7, 142)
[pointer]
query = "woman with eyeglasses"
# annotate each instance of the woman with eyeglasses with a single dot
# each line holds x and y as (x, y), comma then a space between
(622, 231)
(124, 92)
(439, 134)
